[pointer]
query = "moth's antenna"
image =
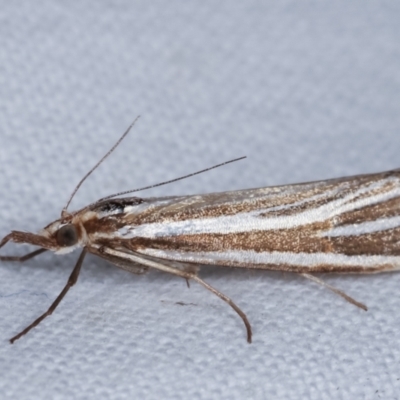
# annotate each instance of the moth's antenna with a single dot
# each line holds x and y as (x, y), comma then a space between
(64, 211)
(171, 180)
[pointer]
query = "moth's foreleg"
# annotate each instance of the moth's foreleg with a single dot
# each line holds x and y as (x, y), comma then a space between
(24, 257)
(335, 290)
(71, 282)
(19, 237)
(6, 239)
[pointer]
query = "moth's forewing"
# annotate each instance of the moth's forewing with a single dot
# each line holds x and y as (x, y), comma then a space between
(343, 225)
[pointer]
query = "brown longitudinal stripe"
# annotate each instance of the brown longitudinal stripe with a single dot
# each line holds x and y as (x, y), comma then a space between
(321, 268)
(387, 186)
(298, 240)
(385, 242)
(386, 209)
(275, 205)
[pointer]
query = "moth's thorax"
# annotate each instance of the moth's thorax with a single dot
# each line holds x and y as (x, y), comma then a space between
(107, 220)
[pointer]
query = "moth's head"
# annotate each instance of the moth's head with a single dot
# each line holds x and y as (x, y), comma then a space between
(61, 236)
(64, 235)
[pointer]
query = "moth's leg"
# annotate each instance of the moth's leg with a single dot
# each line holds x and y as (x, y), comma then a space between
(229, 301)
(334, 290)
(25, 257)
(71, 282)
(187, 274)
(122, 263)
(6, 239)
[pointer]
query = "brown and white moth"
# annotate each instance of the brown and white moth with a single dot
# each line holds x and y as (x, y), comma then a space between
(345, 225)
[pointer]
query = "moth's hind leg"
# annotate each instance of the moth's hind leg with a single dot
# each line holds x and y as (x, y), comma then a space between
(183, 270)
(334, 290)
(228, 301)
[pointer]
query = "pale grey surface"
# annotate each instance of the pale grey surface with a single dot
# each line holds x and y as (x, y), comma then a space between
(307, 90)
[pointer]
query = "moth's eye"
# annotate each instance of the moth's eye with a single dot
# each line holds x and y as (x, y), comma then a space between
(67, 235)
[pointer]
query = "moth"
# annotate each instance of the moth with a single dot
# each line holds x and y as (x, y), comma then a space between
(345, 225)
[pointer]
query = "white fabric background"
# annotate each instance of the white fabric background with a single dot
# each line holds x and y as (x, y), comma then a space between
(307, 90)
